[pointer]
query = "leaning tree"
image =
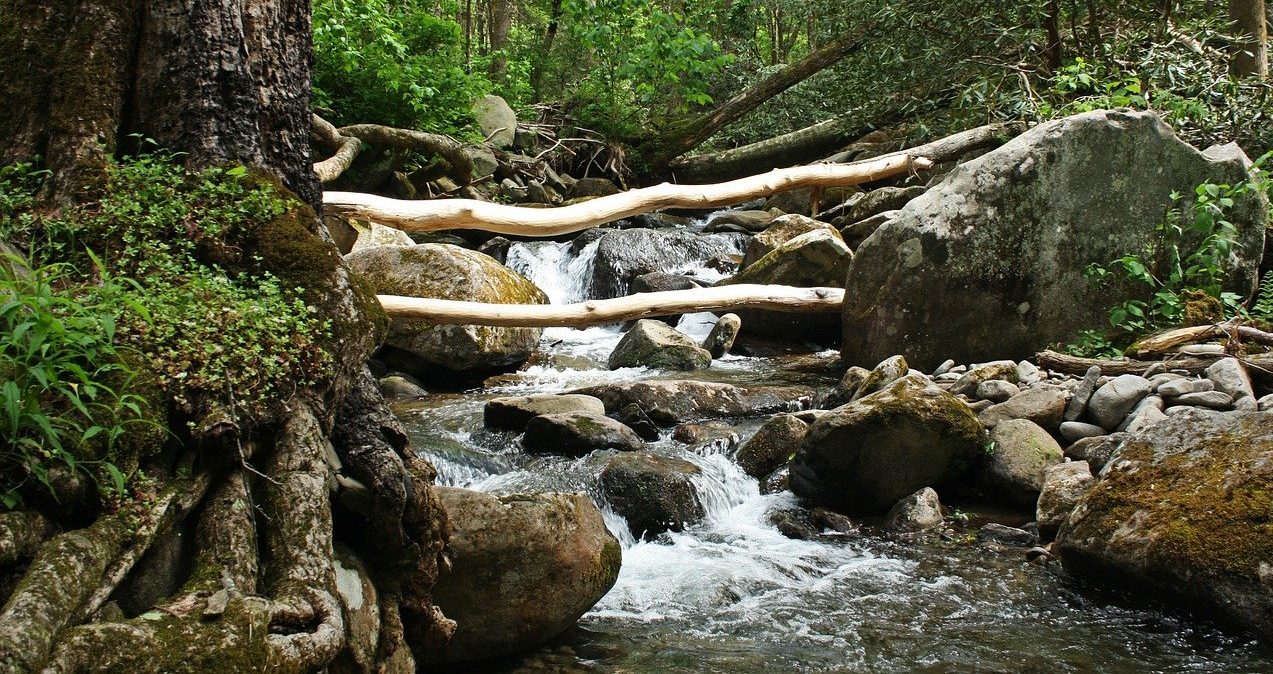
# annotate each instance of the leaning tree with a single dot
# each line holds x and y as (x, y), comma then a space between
(253, 501)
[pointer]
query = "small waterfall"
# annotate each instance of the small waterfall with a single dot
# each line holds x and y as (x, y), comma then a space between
(564, 277)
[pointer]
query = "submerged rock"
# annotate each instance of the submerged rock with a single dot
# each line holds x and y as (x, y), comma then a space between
(449, 272)
(1185, 512)
(863, 457)
(523, 569)
(578, 433)
(671, 402)
(655, 344)
(990, 262)
(653, 493)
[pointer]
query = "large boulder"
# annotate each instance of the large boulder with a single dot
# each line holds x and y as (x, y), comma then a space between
(1184, 512)
(514, 412)
(863, 457)
(523, 569)
(1022, 452)
(652, 343)
(577, 433)
(449, 272)
(496, 119)
(990, 262)
(781, 230)
(772, 445)
(622, 255)
(672, 402)
(653, 493)
(816, 258)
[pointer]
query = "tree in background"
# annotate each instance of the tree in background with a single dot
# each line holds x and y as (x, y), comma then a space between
(1251, 51)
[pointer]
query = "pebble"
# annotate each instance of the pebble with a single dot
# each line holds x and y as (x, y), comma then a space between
(996, 390)
(1027, 373)
(944, 368)
(1179, 387)
(1073, 431)
(1216, 400)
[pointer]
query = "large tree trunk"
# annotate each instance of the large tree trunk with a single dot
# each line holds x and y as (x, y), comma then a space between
(1251, 51)
(688, 135)
(501, 17)
(220, 81)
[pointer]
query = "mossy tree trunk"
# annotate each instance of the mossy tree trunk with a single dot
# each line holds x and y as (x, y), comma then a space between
(262, 500)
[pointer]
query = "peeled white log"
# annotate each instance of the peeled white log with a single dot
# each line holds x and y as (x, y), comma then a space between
(425, 216)
(599, 312)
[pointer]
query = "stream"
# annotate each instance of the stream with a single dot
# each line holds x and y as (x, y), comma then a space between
(732, 594)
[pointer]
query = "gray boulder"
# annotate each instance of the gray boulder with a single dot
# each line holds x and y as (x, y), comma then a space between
(514, 412)
(772, 445)
(863, 457)
(578, 433)
(739, 221)
(1110, 403)
(1096, 451)
(449, 272)
(1014, 470)
(671, 402)
(374, 235)
(1063, 485)
(1077, 406)
(653, 493)
(496, 119)
(623, 255)
(655, 344)
(523, 569)
(1002, 370)
(1184, 514)
(990, 262)
(1044, 404)
(885, 373)
(1230, 376)
(918, 512)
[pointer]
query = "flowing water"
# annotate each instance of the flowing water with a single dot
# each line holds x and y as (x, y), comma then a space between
(732, 594)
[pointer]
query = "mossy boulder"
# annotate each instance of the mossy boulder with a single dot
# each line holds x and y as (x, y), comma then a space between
(1013, 472)
(863, 457)
(1184, 513)
(655, 344)
(989, 263)
(783, 229)
(817, 258)
(653, 493)
(424, 349)
(578, 433)
(772, 445)
(523, 569)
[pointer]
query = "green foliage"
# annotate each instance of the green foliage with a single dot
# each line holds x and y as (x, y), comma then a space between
(65, 400)
(393, 64)
(1262, 308)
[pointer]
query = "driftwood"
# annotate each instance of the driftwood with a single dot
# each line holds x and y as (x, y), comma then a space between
(346, 142)
(345, 149)
(600, 312)
(1165, 342)
(425, 216)
(1059, 362)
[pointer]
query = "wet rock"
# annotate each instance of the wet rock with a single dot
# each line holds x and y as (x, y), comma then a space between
(781, 230)
(514, 412)
(1077, 406)
(998, 248)
(635, 418)
(655, 344)
(815, 259)
(653, 493)
(996, 390)
(808, 525)
(746, 221)
(920, 511)
(670, 402)
(863, 457)
(776, 482)
(660, 281)
(772, 446)
(578, 433)
(1005, 535)
(721, 338)
(1096, 451)
(847, 388)
(443, 271)
(885, 373)
(1063, 485)
(400, 386)
(699, 434)
(1073, 431)
(523, 569)
(1004, 370)
(1111, 402)
(497, 248)
(623, 255)
(1183, 515)
(1044, 404)
(1014, 469)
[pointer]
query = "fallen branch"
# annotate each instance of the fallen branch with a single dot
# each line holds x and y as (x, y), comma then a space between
(426, 216)
(1059, 362)
(1172, 339)
(459, 164)
(345, 149)
(600, 312)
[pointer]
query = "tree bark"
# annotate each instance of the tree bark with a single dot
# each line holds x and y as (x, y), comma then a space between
(1251, 51)
(688, 135)
(501, 22)
(427, 216)
(602, 312)
(1052, 47)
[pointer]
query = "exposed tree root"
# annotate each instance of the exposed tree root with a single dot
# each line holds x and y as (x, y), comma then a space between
(21, 534)
(345, 149)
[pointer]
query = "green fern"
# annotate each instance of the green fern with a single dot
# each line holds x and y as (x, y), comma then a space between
(1263, 307)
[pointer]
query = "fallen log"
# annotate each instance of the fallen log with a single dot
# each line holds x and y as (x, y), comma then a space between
(426, 216)
(1194, 364)
(1165, 342)
(600, 312)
